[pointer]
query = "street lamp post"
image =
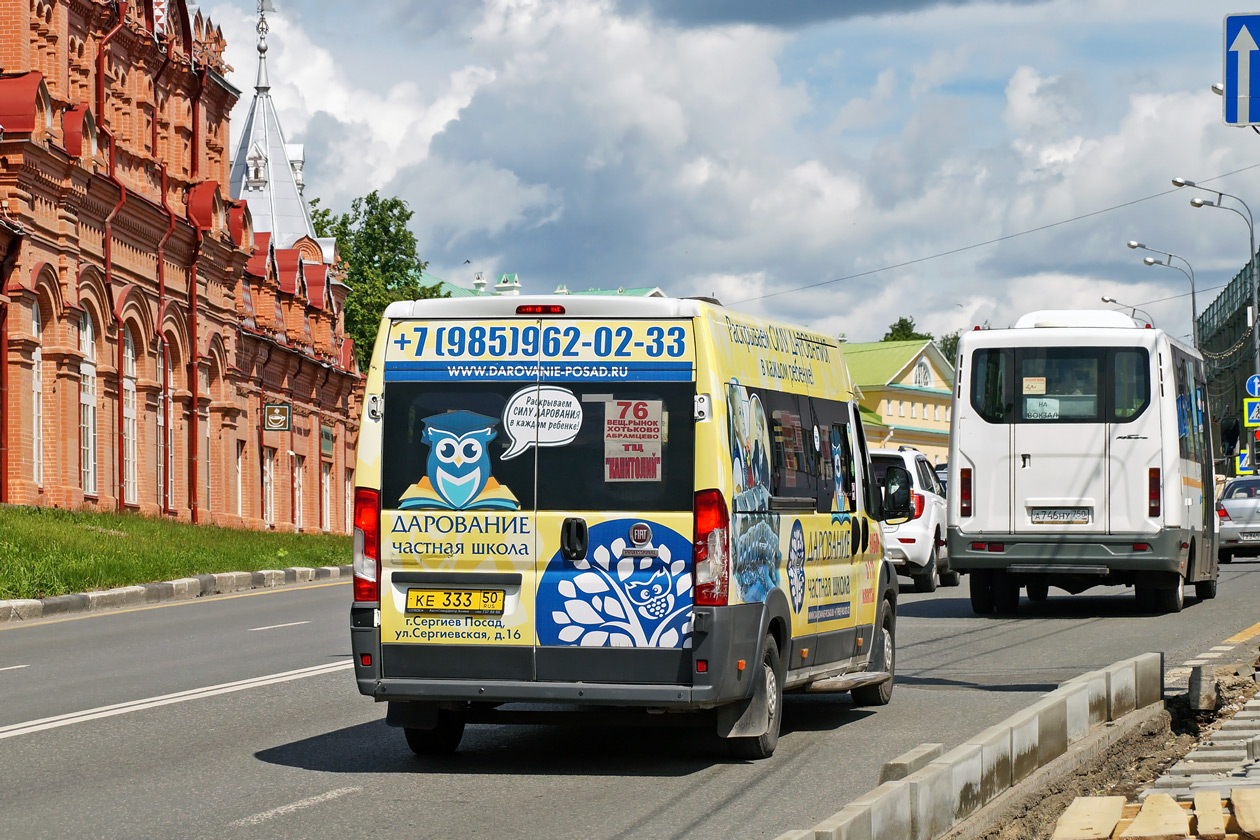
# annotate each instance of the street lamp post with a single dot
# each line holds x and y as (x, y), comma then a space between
(1133, 310)
(1167, 262)
(1251, 258)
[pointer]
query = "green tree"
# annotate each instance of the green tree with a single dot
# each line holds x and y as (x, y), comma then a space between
(380, 262)
(948, 344)
(904, 330)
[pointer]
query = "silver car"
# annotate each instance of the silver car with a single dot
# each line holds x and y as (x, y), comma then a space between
(1239, 513)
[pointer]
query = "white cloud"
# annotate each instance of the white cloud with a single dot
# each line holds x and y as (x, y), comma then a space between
(568, 141)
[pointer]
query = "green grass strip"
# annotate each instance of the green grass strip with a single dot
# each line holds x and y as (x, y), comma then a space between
(46, 551)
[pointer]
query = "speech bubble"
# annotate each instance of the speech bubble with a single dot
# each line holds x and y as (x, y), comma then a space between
(541, 416)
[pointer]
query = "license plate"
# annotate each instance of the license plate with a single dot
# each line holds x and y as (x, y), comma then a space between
(1250, 535)
(456, 601)
(1061, 516)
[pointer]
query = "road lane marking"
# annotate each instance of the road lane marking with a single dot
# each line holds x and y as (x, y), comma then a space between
(278, 626)
(259, 819)
(182, 602)
(14, 667)
(42, 724)
(1223, 647)
(1246, 635)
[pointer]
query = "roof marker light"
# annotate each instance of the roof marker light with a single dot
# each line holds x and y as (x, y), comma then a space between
(540, 309)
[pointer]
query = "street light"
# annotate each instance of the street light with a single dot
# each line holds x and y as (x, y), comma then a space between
(1167, 263)
(1251, 258)
(1132, 309)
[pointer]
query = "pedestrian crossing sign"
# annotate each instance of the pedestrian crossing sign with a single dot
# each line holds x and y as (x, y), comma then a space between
(1242, 464)
(1251, 412)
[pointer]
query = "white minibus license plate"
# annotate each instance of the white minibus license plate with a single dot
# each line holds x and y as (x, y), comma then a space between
(1061, 516)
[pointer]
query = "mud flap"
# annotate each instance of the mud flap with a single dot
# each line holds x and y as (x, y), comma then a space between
(412, 715)
(749, 718)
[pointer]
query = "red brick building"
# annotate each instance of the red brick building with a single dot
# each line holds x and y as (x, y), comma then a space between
(146, 315)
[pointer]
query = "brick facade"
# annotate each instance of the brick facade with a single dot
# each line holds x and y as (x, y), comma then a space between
(144, 324)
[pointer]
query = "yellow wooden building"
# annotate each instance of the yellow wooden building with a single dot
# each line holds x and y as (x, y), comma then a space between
(905, 394)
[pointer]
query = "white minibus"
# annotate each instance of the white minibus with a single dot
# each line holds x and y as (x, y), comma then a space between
(1080, 456)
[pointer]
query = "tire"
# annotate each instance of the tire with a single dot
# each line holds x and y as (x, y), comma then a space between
(1145, 596)
(443, 739)
(926, 580)
(885, 660)
(1205, 590)
(1171, 599)
(772, 671)
(982, 591)
(1038, 591)
(950, 578)
(1005, 593)
(1225, 557)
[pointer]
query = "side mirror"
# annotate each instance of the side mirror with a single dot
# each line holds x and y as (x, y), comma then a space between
(898, 501)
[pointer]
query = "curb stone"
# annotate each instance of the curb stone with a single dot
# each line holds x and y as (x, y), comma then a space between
(181, 589)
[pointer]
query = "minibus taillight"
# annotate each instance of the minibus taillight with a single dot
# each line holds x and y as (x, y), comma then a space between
(367, 544)
(1153, 492)
(964, 491)
(710, 550)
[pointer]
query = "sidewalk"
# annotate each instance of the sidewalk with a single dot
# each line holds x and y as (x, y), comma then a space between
(183, 589)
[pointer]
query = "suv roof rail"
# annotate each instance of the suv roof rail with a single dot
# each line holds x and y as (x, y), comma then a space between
(905, 448)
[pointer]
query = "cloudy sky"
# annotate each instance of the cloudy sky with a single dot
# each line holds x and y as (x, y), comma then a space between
(838, 163)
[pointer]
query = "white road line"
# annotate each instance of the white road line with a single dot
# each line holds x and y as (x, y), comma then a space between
(1195, 662)
(1209, 656)
(1223, 647)
(278, 626)
(259, 819)
(166, 700)
(14, 667)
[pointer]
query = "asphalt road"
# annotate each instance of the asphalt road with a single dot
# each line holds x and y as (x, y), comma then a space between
(171, 721)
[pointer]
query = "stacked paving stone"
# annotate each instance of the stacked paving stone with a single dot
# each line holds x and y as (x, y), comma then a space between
(1230, 759)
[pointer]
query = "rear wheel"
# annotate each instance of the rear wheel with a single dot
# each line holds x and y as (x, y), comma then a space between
(1170, 599)
(763, 745)
(1145, 596)
(884, 660)
(1005, 593)
(1225, 557)
(950, 578)
(1038, 591)
(1205, 590)
(442, 739)
(981, 591)
(926, 580)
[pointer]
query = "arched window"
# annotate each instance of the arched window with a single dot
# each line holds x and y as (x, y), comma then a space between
(87, 405)
(37, 396)
(131, 493)
(165, 427)
(923, 374)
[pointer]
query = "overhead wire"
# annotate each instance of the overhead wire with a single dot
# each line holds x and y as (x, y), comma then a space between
(987, 242)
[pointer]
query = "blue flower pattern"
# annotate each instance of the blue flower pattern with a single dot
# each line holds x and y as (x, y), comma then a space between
(610, 600)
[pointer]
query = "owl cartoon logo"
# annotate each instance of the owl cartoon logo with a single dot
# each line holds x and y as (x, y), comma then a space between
(458, 470)
(653, 598)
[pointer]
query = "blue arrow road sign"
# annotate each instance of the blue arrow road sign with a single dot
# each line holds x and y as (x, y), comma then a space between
(1253, 385)
(1242, 69)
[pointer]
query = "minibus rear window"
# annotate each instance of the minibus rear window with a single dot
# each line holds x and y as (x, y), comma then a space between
(597, 447)
(1039, 385)
(635, 450)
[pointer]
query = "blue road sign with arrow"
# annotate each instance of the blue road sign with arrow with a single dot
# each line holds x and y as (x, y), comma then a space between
(1242, 73)
(1253, 385)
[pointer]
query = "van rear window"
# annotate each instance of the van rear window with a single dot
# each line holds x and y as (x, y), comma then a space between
(1060, 384)
(517, 445)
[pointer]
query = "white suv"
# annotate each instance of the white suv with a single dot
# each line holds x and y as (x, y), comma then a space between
(916, 548)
